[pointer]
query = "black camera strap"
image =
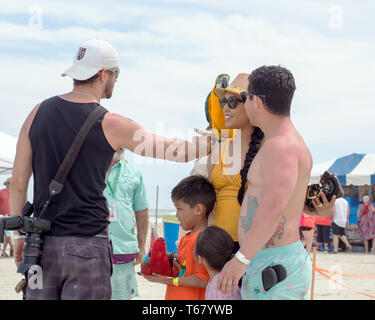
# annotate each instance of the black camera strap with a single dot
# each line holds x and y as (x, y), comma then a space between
(58, 181)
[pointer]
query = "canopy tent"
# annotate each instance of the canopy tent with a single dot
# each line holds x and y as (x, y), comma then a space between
(354, 169)
(7, 153)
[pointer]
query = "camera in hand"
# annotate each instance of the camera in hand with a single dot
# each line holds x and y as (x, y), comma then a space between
(329, 184)
(34, 230)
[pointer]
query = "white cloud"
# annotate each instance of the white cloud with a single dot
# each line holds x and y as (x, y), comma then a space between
(171, 57)
(82, 12)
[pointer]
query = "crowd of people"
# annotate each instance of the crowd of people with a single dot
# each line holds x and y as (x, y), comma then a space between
(241, 219)
(336, 226)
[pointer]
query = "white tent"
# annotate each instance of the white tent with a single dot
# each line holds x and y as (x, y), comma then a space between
(354, 169)
(8, 146)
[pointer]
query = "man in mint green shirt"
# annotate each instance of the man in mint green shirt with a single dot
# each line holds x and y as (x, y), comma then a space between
(128, 206)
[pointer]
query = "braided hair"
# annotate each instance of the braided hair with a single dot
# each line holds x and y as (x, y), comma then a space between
(254, 146)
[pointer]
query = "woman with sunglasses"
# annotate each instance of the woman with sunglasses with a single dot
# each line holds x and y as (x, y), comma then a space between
(228, 168)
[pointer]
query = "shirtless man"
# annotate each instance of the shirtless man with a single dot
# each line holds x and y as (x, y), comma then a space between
(271, 210)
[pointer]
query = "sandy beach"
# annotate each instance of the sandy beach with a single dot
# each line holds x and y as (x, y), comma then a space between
(344, 263)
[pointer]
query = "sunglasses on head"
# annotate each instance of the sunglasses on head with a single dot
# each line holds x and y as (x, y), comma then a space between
(232, 102)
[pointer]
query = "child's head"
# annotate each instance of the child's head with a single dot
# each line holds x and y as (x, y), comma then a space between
(194, 198)
(215, 247)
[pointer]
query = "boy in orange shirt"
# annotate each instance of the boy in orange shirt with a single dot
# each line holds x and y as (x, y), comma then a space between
(194, 198)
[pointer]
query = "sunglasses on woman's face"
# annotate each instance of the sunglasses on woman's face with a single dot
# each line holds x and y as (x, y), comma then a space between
(232, 102)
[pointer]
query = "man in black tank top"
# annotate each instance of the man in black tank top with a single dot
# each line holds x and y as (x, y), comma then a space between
(76, 259)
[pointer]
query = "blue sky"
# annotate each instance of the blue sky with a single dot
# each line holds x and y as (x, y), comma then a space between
(171, 52)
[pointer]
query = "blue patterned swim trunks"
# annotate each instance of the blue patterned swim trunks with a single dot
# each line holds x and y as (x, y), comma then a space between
(298, 265)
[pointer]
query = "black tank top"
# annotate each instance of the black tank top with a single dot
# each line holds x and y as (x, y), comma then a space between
(80, 209)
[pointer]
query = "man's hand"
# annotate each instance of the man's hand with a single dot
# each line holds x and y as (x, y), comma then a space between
(17, 250)
(203, 145)
(230, 276)
(325, 209)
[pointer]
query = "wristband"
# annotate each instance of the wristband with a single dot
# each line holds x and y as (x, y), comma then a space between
(175, 281)
(242, 258)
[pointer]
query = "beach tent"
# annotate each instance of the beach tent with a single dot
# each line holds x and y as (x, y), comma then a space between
(7, 153)
(354, 169)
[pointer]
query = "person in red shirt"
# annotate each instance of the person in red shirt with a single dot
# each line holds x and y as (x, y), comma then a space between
(323, 225)
(4, 199)
(194, 198)
(5, 211)
(307, 229)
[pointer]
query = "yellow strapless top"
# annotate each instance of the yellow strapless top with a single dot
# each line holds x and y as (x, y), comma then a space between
(227, 209)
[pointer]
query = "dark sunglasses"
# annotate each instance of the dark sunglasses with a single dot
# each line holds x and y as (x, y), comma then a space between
(232, 102)
(246, 94)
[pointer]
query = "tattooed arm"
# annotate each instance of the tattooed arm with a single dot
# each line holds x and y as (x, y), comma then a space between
(266, 214)
(123, 132)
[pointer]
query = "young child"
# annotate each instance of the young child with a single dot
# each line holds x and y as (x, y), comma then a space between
(194, 198)
(213, 248)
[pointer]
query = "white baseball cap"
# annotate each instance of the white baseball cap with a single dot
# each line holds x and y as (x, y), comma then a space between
(93, 56)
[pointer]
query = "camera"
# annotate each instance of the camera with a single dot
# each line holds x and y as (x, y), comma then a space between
(329, 184)
(34, 230)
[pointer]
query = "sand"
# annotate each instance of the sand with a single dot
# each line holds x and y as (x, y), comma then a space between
(346, 263)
